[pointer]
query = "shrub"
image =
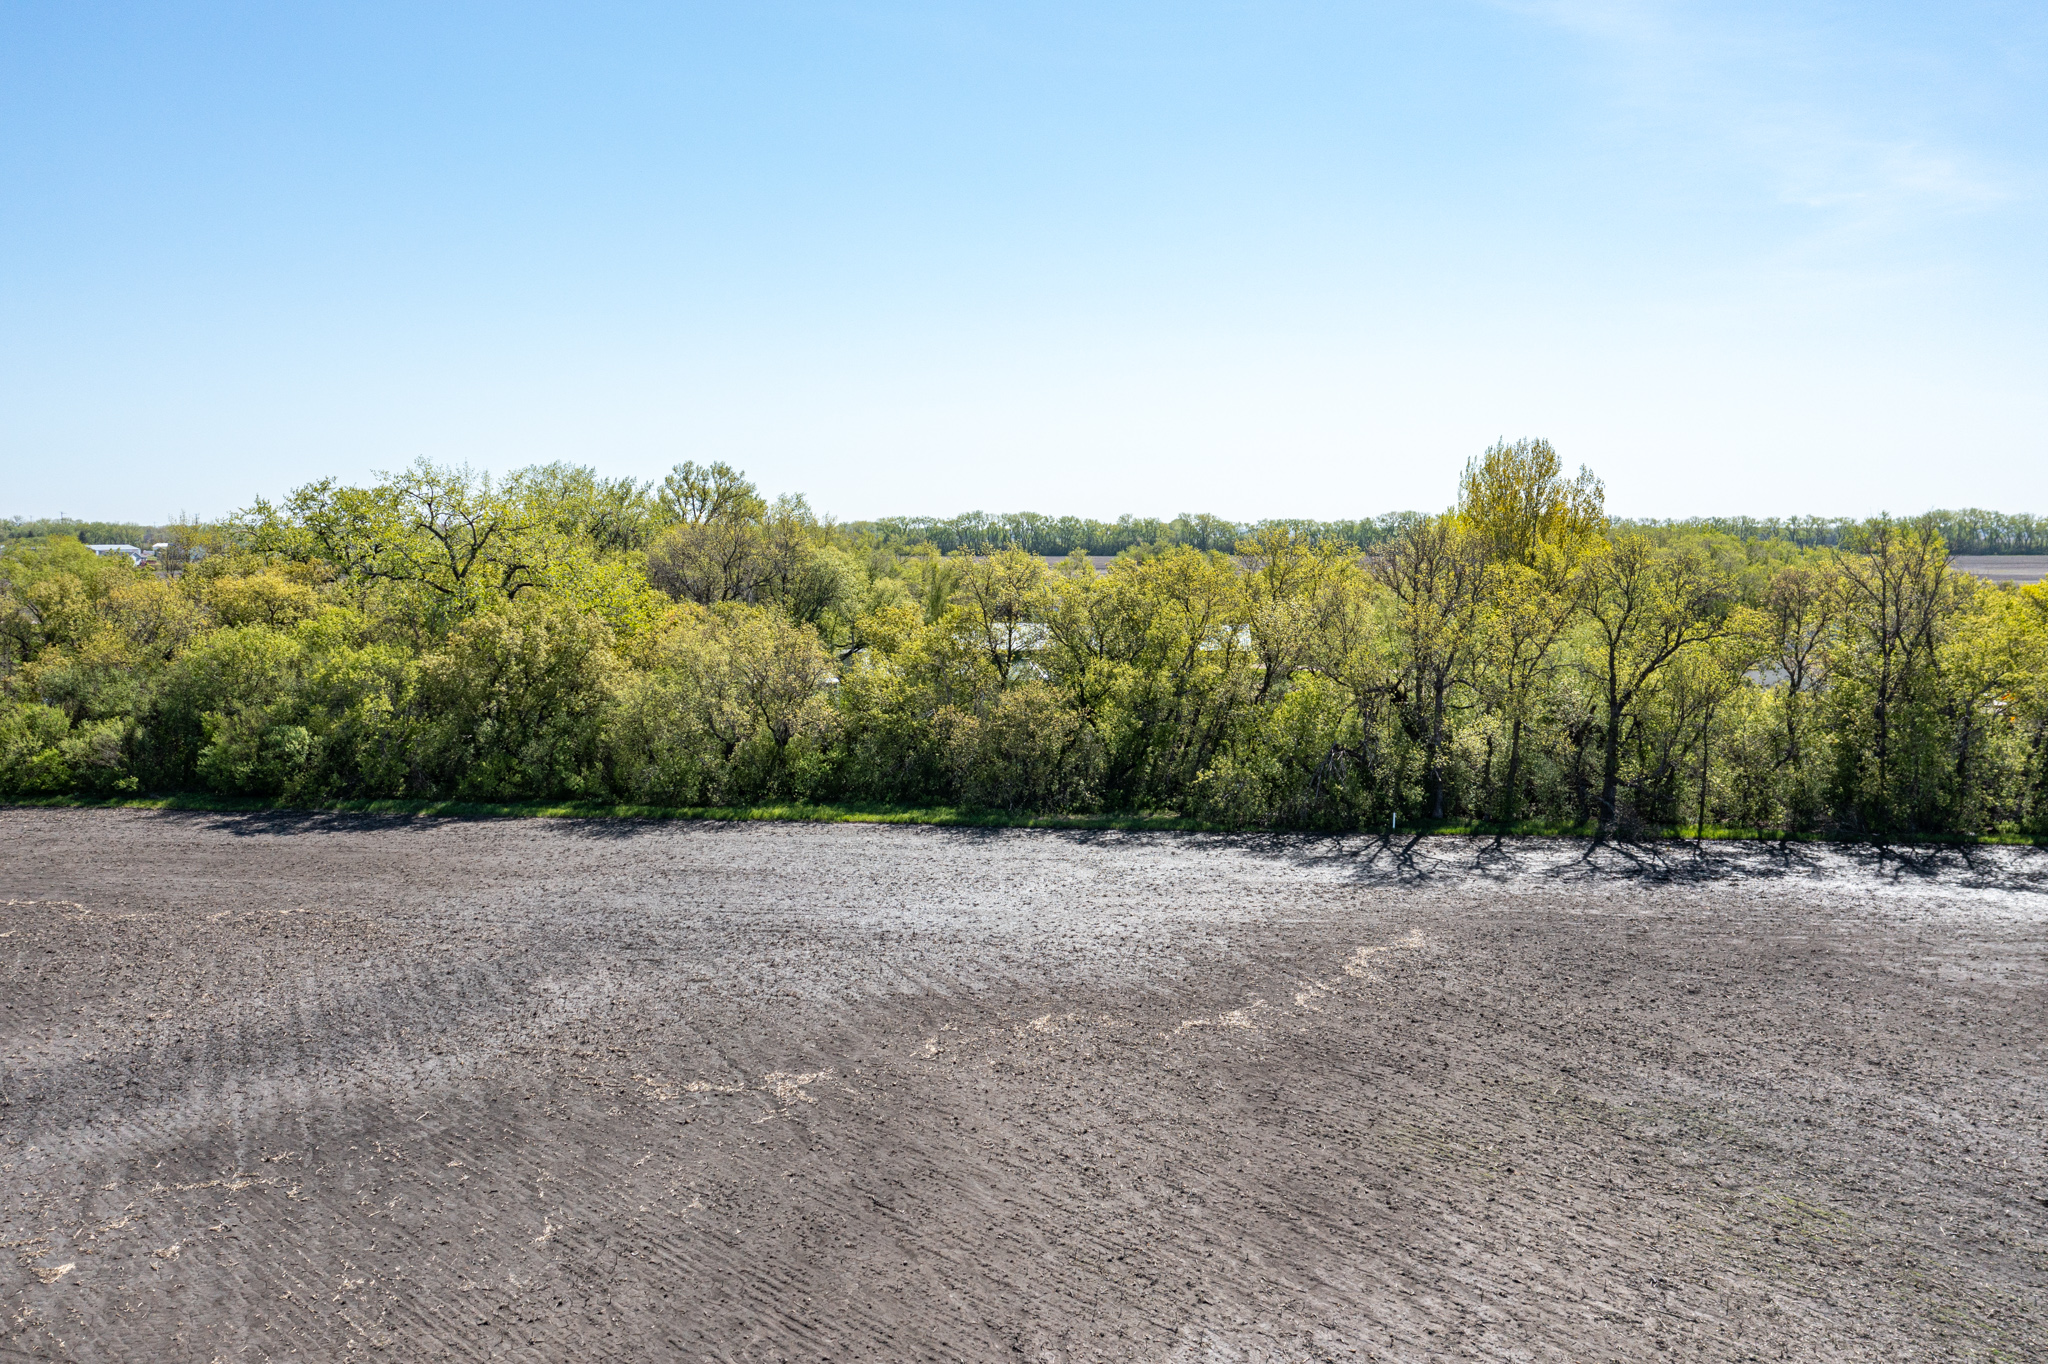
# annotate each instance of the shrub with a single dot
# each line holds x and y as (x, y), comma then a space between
(512, 706)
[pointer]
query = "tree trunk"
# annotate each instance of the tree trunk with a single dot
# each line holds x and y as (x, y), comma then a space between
(1511, 794)
(1610, 767)
(1436, 757)
(1699, 831)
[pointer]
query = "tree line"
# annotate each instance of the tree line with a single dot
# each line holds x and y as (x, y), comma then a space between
(1060, 535)
(85, 532)
(1970, 531)
(1517, 660)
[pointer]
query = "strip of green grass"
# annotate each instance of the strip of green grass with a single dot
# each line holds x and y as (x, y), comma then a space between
(794, 811)
(854, 813)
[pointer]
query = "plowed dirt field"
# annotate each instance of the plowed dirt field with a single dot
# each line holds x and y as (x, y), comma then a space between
(314, 1087)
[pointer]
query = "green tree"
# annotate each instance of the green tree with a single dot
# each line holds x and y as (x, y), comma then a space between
(609, 515)
(705, 494)
(1647, 607)
(1799, 619)
(1002, 603)
(1527, 610)
(512, 704)
(1898, 598)
(1515, 499)
(1435, 573)
(448, 541)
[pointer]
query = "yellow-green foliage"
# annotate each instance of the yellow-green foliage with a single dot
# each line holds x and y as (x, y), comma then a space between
(561, 636)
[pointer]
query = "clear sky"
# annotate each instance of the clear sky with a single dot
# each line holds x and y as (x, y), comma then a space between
(1260, 259)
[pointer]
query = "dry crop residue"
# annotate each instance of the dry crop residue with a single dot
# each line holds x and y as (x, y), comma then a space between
(306, 1087)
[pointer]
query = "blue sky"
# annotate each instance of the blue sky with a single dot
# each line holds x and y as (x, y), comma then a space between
(1261, 260)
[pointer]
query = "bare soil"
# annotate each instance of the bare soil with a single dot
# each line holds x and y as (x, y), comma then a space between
(332, 1087)
(2004, 568)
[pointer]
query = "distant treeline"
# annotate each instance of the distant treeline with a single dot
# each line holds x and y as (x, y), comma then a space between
(1969, 531)
(87, 532)
(1059, 535)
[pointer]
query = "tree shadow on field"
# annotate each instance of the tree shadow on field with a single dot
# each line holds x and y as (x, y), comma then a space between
(1381, 859)
(1413, 859)
(1373, 859)
(287, 823)
(626, 830)
(1967, 864)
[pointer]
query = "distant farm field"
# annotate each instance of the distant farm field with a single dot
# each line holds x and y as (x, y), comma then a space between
(314, 1087)
(2004, 568)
